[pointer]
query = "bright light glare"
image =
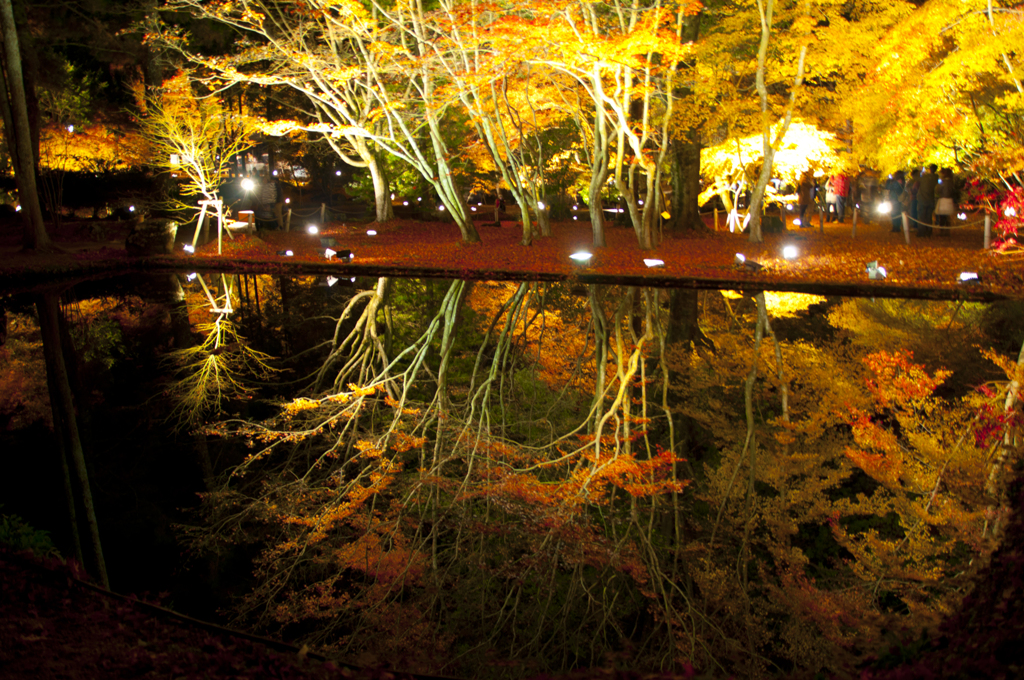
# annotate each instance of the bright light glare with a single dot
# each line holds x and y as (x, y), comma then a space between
(885, 207)
(581, 256)
(575, 217)
(961, 216)
(654, 263)
(131, 208)
(71, 128)
(405, 202)
(741, 258)
(191, 277)
(797, 222)
(17, 208)
(371, 232)
(789, 206)
(575, 207)
(790, 252)
(288, 253)
(540, 205)
(189, 248)
(966, 277)
(313, 229)
(441, 208)
(248, 184)
(392, 197)
(329, 253)
(274, 173)
(287, 200)
(331, 280)
(1010, 212)
(338, 173)
(473, 208)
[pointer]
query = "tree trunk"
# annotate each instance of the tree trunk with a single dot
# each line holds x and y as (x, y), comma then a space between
(381, 188)
(49, 325)
(18, 133)
(686, 184)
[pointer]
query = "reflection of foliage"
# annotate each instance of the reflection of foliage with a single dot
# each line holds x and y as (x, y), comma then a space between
(212, 372)
(17, 534)
(394, 510)
(24, 398)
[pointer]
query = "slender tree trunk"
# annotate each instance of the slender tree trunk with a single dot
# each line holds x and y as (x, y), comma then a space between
(18, 133)
(49, 325)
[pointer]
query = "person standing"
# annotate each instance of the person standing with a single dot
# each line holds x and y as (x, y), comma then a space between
(805, 197)
(841, 185)
(830, 201)
(945, 200)
(912, 186)
(926, 200)
(895, 187)
(268, 202)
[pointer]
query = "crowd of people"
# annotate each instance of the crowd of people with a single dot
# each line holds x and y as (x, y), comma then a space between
(928, 196)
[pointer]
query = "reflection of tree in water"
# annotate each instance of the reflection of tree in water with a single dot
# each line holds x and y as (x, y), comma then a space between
(212, 371)
(436, 504)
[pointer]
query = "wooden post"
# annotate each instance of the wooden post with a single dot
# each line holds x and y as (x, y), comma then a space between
(854, 233)
(821, 221)
(323, 211)
(288, 221)
(716, 218)
(988, 231)
(906, 228)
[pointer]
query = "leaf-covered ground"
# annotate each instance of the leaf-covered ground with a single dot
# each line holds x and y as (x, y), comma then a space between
(832, 258)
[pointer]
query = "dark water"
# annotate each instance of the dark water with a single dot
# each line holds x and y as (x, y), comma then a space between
(504, 479)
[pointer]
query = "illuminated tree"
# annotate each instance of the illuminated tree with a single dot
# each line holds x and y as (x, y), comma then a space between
(192, 133)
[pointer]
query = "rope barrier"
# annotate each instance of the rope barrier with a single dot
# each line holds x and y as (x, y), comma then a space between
(943, 226)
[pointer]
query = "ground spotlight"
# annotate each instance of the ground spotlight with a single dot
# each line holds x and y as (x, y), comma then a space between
(189, 248)
(313, 229)
(654, 263)
(876, 272)
(962, 217)
(329, 254)
(338, 173)
(405, 202)
(742, 261)
(885, 207)
(287, 200)
(441, 208)
(581, 257)
(797, 222)
(540, 205)
(371, 232)
(285, 253)
(969, 277)
(191, 277)
(789, 207)
(790, 252)
(248, 184)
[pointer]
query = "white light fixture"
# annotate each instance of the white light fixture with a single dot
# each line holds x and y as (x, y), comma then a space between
(191, 277)
(371, 232)
(287, 200)
(962, 217)
(581, 257)
(540, 205)
(288, 253)
(654, 263)
(876, 272)
(797, 222)
(790, 252)
(473, 208)
(575, 207)
(969, 277)
(313, 229)
(274, 173)
(71, 128)
(441, 208)
(575, 217)
(248, 184)
(189, 248)
(338, 173)
(885, 207)
(329, 254)
(405, 202)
